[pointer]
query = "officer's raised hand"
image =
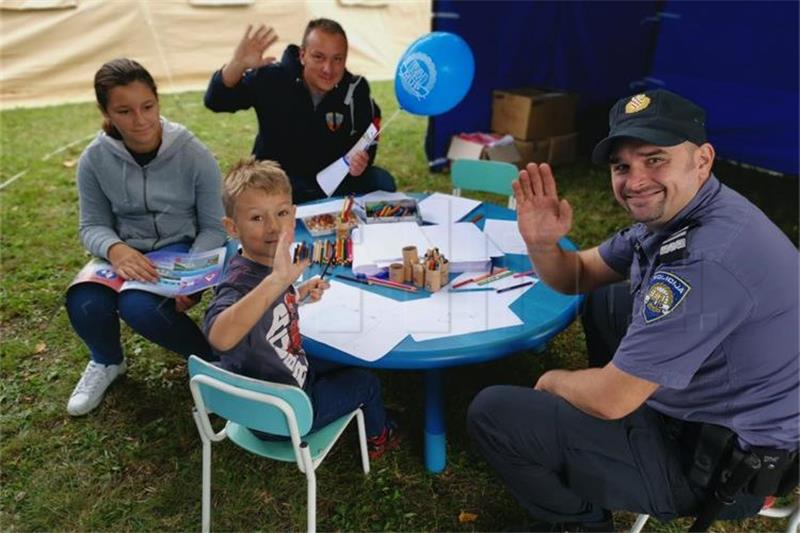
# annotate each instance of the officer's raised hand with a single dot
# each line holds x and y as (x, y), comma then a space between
(541, 217)
(249, 53)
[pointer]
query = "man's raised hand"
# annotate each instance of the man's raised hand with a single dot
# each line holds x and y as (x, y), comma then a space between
(541, 217)
(249, 52)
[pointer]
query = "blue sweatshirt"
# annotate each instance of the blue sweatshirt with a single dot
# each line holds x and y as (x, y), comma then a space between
(174, 198)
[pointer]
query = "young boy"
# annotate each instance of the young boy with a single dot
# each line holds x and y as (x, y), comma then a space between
(252, 322)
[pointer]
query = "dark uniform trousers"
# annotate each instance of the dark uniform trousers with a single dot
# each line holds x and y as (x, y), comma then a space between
(373, 178)
(564, 465)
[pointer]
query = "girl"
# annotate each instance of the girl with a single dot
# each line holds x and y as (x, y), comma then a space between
(144, 184)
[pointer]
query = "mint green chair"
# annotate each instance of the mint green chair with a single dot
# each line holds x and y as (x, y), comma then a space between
(485, 176)
(270, 407)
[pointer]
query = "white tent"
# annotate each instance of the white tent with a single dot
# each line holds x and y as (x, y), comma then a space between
(50, 49)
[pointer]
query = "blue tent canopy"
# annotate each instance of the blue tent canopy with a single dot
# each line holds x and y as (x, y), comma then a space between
(739, 60)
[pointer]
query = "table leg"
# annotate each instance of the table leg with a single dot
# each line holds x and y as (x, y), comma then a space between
(435, 437)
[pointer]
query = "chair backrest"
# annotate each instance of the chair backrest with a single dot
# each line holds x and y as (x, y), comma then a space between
(483, 175)
(221, 393)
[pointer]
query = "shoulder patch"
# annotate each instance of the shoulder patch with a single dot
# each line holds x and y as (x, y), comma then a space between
(665, 292)
(673, 247)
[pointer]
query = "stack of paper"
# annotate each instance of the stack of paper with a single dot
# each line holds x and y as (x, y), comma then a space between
(441, 208)
(376, 246)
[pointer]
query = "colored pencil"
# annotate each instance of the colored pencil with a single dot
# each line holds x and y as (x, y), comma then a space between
(523, 274)
(495, 277)
(351, 278)
(476, 289)
(391, 284)
(479, 278)
(517, 286)
(325, 269)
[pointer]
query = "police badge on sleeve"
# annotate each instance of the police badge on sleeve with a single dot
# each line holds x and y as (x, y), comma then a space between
(665, 292)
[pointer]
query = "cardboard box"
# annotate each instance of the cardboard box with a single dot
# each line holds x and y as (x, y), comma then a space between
(529, 114)
(559, 150)
(482, 146)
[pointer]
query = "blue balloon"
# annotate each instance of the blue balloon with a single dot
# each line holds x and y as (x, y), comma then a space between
(434, 74)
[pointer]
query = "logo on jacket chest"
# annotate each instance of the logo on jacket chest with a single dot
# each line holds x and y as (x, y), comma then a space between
(334, 120)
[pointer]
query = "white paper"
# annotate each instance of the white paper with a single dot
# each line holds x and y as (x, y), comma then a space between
(321, 208)
(505, 235)
(458, 313)
(361, 323)
(440, 208)
(331, 176)
(381, 196)
(375, 244)
(461, 242)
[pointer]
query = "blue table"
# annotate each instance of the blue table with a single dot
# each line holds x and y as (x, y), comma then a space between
(543, 311)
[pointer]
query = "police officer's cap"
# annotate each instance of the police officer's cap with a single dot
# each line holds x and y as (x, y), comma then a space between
(658, 117)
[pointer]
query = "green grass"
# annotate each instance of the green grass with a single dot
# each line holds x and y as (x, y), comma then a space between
(134, 463)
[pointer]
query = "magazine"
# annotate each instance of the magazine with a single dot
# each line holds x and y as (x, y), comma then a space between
(179, 273)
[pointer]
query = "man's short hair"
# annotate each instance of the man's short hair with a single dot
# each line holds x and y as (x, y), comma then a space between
(326, 25)
(246, 173)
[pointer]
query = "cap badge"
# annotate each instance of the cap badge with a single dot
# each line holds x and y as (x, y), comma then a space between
(637, 103)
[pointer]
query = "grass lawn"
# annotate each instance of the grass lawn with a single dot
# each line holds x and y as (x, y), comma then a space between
(134, 463)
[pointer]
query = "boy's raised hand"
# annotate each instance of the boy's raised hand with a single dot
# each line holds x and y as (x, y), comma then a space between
(541, 217)
(313, 289)
(282, 265)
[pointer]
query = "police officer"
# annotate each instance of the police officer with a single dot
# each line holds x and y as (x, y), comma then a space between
(310, 109)
(704, 332)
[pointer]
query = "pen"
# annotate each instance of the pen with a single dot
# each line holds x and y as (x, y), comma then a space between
(517, 286)
(476, 289)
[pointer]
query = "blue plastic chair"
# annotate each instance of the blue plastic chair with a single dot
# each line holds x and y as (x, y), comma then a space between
(270, 407)
(485, 176)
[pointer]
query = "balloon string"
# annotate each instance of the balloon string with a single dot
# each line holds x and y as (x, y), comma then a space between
(389, 121)
(383, 128)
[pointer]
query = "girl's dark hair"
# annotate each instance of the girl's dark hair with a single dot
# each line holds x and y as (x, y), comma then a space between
(121, 71)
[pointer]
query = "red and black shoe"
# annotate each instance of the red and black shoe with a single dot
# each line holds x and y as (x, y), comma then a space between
(389, 439)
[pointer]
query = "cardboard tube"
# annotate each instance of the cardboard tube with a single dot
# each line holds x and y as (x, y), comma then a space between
(407, 274)
(410, 255)
(418, 274)
(396, 272)
(433, 280)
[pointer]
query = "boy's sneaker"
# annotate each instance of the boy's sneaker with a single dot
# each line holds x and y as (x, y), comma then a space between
(92, 386)
(388, 440)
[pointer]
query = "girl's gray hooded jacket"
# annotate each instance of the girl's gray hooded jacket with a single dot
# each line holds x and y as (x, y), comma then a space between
(174, 198)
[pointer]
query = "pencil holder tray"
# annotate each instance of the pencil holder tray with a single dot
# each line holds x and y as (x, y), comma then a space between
(392, 211)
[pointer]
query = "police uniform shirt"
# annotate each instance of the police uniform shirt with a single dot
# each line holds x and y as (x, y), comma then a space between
(715, 316)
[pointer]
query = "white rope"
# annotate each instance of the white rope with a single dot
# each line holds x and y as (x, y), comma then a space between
(18, 175)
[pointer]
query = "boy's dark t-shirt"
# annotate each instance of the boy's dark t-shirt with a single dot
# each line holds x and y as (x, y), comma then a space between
(272, 350)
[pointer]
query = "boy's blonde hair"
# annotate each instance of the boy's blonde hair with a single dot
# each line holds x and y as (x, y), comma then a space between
(265, 175)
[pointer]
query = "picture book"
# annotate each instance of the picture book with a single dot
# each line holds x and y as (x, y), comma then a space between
(179, 273)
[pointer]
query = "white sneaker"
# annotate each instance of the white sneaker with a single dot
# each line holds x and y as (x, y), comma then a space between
(92, 386)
